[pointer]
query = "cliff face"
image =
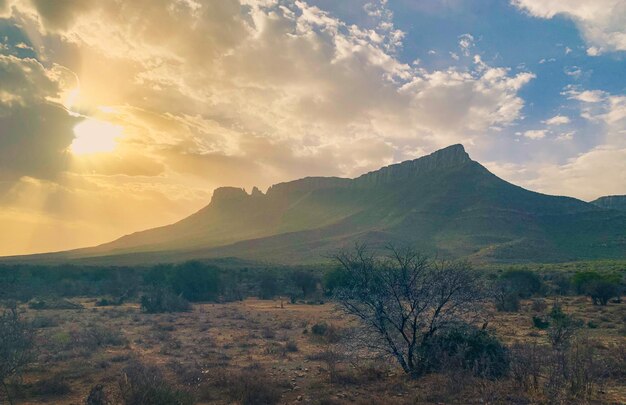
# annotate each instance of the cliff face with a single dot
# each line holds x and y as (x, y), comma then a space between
(612, 202)
(451, 156)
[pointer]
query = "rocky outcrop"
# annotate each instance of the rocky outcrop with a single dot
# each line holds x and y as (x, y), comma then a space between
(451, 156)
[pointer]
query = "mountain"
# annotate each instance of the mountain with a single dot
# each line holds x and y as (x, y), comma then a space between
(444, 203)
(612, 202)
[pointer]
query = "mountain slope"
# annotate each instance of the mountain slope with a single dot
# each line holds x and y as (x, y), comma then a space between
(443, 203)
(612, 202)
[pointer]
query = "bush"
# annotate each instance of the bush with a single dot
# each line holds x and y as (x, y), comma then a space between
(142, 385)
(335, 279)
(563, 327)
(196, 281)
(319, 329)
(252, 387)
(16, 345)
(466, 347)
(52, 387)
(600, 287)
(601, 291)
(524, 282)
(539, 305)
(268, 286)
(507, 301)
(96, 336)
(540, 323)
(159, 300)
(97, 396)
(291, 346)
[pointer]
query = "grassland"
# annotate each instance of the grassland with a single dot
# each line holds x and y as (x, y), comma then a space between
(255, 351)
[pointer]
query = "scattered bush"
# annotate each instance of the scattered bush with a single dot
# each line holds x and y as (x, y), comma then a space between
(562, 327)
(159, 300)
(96, 336)
(514, 285)
(291, 346)
(196, 281)
(540, 322)
(40, 322)
(97, 396)
(268, 286)
(466, 347)
(539, 305)
(252, 387)
(142, 385)
(600, 287)
(16, 345)
(51, 387)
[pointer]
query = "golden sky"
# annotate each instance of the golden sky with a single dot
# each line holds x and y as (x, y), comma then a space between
(118, 116)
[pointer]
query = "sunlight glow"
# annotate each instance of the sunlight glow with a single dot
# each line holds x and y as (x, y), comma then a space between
(95, 136)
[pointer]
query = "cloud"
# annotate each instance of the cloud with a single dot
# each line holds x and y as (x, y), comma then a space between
(590, 173)
(229, 92)
(466, 43)
(557, 120)
(535, 134)
(601, 22)
(35, 130)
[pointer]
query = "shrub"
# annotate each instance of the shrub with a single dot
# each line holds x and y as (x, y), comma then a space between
(466, 347)
(514, 285)
(52, 387)
(97, 396)
(319, 329)
(16, 345)
(40, 322)
(562, 327)
(141, 385)
(507, 301)
(95, 336)
(252, 387)
(335, 279)
(291, 346)
(600, 287)
(159, 300)
(304, 281)
(540, 323)
(601, 291)
(525, 283)
(268, 286)
(196, 281)
(539, 305)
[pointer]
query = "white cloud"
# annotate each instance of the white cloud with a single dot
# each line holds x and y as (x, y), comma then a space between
(557, 120)
(535, 134)
(466, 43)
(602, 22)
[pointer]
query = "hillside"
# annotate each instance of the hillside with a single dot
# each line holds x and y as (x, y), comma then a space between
(613, 202)
(444, 203)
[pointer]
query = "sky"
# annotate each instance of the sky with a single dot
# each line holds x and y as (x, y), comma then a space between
(122, 115)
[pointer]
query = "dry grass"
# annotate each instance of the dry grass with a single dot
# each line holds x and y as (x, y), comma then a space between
(206, 350)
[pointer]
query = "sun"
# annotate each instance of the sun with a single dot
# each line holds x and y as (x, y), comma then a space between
(95, 136)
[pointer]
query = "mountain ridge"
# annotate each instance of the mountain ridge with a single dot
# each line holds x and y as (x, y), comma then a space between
(443, 202)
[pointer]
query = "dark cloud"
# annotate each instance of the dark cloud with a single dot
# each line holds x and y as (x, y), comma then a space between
(35, 132)
(59, 14)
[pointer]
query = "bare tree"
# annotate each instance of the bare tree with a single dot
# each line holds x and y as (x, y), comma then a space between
(16, 346)
(404, 298)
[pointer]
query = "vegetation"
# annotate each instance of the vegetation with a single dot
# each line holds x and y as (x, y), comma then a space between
(141, 385)
(558, 347)
(16, 346)
(405, 299)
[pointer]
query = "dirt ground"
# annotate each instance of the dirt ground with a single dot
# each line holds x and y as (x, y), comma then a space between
(80, 348)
